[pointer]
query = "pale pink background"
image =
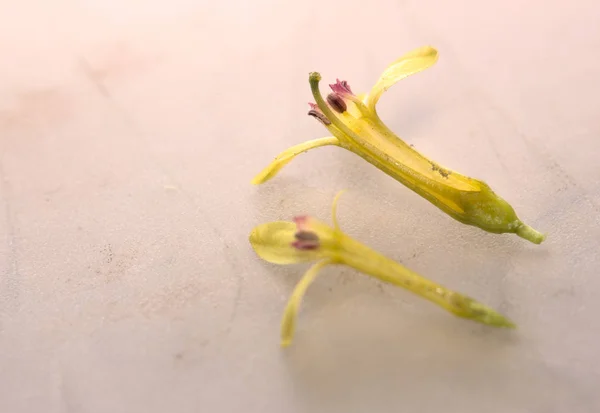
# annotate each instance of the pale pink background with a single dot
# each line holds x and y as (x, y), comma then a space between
(130, 130)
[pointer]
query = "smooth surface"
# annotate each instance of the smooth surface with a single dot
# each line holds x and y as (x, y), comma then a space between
(130, 131)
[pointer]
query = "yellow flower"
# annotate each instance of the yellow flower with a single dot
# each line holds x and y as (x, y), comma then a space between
(355, 126)
(308, 239)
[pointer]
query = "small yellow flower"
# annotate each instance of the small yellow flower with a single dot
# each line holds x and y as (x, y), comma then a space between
(355, 126)
(308, 239)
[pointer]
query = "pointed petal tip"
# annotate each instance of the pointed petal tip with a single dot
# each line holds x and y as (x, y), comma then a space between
(254, 237)
(265, 175)
(422, 51)
(410, 63)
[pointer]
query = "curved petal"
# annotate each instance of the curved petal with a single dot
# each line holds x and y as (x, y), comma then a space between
(409, 64)
(288, 323)
(286, 156)
(334, 205)
(273, 243)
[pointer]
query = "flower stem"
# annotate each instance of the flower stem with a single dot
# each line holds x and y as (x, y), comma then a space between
(530, 234)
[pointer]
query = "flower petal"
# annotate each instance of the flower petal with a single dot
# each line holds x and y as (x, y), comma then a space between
(286, 156)
(334, 206)
(409, 64)
(288, 323)
(273, 243)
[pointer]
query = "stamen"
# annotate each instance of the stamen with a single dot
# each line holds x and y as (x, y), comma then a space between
(336, 102)
(316, 113)
(306, 240)
(320, 117)
(306, 236)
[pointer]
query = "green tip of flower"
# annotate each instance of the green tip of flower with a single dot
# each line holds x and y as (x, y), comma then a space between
(314, 77)
(498, 320)
(468, 308)
(483, 314)
(530, 234)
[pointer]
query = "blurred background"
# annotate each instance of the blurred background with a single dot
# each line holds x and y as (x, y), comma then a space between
(130, 131)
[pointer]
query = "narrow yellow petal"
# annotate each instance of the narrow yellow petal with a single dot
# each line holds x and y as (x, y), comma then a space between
(286, 156)
(334, 206)
(409, 64)
(288, 323)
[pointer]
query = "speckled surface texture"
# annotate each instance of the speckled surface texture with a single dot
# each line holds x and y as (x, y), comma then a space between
(130, 130)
